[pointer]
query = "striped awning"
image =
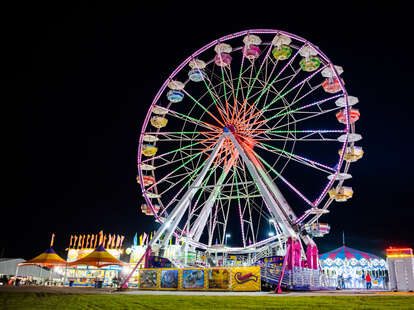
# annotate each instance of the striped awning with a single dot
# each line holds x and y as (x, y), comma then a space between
(98, 258)
(345, 252)
(49, 258)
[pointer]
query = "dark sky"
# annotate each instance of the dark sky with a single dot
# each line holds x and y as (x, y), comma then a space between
(83, 76)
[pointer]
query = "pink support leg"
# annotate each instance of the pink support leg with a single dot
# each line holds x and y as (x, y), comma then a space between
(285, 263)
(148, 250)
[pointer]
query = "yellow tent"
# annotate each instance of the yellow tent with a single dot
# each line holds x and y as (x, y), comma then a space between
(48, 259)
(98, 258)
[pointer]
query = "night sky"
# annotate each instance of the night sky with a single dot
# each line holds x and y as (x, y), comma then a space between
(83, 76)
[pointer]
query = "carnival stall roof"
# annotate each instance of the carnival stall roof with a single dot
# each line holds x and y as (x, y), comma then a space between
(49, 258)
(355, 257)
(98, 258)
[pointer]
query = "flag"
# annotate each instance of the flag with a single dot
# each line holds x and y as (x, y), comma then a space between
(74, 241)
(136, 239)
(92, 238)
(79, 241)
(53, 239)
(113, 241)
(83, 241)
(70, 242)
(87, 241)
(96, 240)
(122, 240)
(100, 237)
(104, 239)
(144, 238)
(117, 241)
(108, 244)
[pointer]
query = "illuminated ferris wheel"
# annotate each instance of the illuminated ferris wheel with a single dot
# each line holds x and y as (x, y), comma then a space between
(253, 130)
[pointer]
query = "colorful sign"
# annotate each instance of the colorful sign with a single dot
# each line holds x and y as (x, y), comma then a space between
(218, 278)
(169, 279)
(245, 278)
(148, 279)
(193, 279)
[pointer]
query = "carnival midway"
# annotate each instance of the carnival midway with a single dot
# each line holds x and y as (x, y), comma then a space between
(222, 155)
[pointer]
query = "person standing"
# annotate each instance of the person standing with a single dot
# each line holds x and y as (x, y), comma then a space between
(368, 280)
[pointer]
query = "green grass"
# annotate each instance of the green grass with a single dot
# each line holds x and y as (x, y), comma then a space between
(164, 302)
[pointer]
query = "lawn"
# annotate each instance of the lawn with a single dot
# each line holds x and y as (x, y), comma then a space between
(164, 302)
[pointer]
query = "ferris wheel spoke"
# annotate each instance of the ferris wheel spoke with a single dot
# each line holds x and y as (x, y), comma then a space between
(313, 115)
(193, 120)
(260, 69)
(285, 181)
(179, 149)
(238, 79)
(297, 158)
(201, 106)
(281, 113)
(182, 165)
(279, 73)
(290, 90)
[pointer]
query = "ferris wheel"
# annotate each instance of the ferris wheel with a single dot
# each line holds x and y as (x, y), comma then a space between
(252, 137)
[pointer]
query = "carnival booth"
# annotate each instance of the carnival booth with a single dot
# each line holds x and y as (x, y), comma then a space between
(99, 266)
(346, 268)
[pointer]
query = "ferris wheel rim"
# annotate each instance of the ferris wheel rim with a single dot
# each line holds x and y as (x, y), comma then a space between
(211, 44)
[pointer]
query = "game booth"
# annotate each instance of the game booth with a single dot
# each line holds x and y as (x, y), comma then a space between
(93, 260)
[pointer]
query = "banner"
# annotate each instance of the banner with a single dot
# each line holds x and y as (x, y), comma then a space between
(193, 279)
(245, 278)
(148, 279)
(169, 279)
(218, 278)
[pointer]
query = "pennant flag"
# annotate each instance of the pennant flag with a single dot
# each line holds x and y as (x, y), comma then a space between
(75, 238)
(113, 241)
(83, 240)
(53, 239)
(79, 241)
(70, 242)
(144, 238)
(108, 244)
(92, 238)
(136, 239)
(96, 241)
(87, 241)
(100, 237)
(104, 239)
(122, 241)
(117, 241)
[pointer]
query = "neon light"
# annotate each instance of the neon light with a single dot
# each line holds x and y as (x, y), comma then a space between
(300, 157)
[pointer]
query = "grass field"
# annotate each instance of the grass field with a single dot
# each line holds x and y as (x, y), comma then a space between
(164, 302)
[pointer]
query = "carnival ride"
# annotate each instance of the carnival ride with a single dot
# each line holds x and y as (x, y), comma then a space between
(245, 121)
